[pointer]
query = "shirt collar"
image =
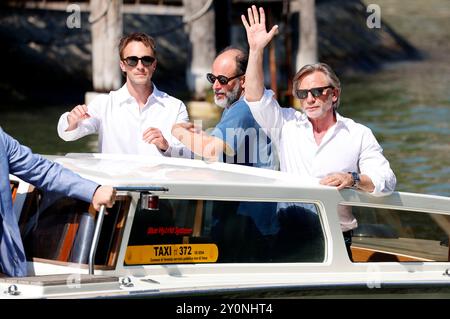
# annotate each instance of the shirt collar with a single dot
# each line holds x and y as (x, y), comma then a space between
(303, 119)
(158, 95)
(123, 95)
(241, 98)
(342, 121)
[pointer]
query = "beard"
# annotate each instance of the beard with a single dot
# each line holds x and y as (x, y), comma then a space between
(229, 98)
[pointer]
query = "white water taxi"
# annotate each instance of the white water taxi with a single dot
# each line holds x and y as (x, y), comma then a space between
(185, 227)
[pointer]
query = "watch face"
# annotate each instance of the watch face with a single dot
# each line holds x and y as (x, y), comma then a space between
(356, 178)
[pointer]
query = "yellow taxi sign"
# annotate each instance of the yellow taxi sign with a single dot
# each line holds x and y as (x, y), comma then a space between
(171, 254)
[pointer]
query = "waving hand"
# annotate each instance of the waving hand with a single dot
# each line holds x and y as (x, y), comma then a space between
(258, 38)
(257, 35)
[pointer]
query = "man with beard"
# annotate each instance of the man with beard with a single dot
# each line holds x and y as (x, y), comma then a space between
(236, 139)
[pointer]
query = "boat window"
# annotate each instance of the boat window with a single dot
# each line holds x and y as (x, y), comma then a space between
(386, 235)
(61, 229)
(203, 231)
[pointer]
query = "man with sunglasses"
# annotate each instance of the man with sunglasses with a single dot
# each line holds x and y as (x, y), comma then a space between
(318, 142)
(237, 138)
(137, 118)
(19, 160)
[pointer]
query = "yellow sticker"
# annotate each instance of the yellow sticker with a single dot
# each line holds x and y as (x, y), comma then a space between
(171, 254)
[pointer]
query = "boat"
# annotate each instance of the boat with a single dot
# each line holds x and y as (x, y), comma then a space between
(182, 228)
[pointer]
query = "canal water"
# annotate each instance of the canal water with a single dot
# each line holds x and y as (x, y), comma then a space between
(412, 128)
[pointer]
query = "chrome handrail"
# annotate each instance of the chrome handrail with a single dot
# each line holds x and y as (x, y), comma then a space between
(98, 227)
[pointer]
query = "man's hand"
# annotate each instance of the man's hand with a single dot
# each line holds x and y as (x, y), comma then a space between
(78, 113)
(257, 35)
(104, 195)
(154, 136)
(258, 38)
(340, 180)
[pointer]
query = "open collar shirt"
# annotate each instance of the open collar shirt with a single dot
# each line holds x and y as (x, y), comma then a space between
(347, 146)
(120, 122)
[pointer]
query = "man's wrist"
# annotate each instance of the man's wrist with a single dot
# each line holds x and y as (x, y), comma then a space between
(356, 179)
(167, 152)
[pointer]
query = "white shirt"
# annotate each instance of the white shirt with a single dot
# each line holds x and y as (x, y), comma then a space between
(120, 123)
(346, 147)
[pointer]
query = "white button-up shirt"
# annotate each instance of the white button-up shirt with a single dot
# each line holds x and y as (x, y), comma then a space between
(346, 147)
(120, 123)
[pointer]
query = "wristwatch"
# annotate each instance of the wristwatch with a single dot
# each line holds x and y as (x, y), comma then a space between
(356, 179)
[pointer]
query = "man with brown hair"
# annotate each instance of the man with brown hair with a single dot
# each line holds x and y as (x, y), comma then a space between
(137, 118)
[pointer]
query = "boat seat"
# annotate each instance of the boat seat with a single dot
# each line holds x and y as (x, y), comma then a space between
(362, 254)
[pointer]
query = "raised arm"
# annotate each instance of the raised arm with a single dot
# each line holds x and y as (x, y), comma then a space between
(258, 38)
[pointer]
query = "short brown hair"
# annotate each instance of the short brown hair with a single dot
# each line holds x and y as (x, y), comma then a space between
(319, 67)
(147, 40)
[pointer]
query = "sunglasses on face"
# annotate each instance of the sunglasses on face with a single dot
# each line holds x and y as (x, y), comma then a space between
(316, 92)
(134, 60)
(221, 78)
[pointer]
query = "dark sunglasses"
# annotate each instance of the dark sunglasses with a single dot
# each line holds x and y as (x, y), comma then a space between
(221, 78)
(133, 60)
(316, 92)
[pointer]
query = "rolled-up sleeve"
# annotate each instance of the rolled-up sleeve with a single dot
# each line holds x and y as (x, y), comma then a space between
(72, 135)
(85, 127)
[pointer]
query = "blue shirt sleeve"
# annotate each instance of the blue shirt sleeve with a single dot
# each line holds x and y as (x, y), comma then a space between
(20, 161)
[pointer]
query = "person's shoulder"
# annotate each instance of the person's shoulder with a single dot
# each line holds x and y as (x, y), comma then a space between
(240, 106)
(100, 98)
(353, 126)
(118, 96)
